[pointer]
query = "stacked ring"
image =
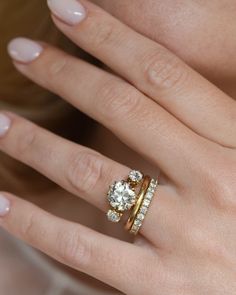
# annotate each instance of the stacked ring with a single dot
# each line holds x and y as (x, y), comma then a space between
(142, 211)
(122, 197)
(141, 195)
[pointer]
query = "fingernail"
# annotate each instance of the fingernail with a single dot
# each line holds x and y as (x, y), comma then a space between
(4, 205)
(70, 11)
(24, 50)
(5, 123)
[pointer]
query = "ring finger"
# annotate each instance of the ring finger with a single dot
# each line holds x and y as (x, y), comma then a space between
(77, 169)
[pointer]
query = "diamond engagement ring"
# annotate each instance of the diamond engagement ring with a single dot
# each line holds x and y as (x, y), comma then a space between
(122, 196)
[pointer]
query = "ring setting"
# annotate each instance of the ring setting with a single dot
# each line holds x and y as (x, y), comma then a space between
(122, 196)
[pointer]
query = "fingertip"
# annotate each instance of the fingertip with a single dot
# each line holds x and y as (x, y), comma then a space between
(24, 50)
(5, 204)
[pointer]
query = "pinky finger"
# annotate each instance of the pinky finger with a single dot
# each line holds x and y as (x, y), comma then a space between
(119, 264)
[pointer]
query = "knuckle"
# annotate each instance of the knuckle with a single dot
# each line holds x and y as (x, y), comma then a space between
(117, 99)
(57, 68)
(101, 33)
(85, 172)
(28, 227)
(72, 249)
(163, 70)
(27, 141)
(220, 186)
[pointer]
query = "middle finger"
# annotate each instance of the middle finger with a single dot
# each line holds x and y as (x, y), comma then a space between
(151, 68)
(136, 119)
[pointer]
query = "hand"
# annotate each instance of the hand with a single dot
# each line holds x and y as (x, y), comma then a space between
(165, 111)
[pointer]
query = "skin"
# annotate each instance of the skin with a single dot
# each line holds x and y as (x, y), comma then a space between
(181, 27)
(188, 239)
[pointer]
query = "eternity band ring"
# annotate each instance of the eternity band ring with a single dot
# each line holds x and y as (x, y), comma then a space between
(143, 209)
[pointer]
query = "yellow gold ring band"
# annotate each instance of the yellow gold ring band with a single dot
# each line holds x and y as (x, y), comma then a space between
(141, 195)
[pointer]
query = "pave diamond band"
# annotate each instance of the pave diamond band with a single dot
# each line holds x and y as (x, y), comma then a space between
(141, 213)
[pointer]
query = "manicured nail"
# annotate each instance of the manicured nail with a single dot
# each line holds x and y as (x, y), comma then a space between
(5, 123)
(70, 11)
(4, 205)
(24, 50)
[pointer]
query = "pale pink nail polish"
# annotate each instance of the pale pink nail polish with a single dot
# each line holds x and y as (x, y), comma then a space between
(4, 205)
(24, 50)
(5, 123)
(70, 11)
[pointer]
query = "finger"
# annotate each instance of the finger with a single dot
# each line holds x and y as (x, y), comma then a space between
(137, 120)
(77, 169)
(117, 263)
(151, 68)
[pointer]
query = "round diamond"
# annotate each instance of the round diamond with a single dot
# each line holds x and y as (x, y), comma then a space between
(149, 196)
(121, 196)
(135, 176)
(137, 222)
(140, 216)
(113, 216)
(146, 203)
(143, 210)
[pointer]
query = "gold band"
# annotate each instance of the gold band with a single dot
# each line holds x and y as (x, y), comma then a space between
(141, 195)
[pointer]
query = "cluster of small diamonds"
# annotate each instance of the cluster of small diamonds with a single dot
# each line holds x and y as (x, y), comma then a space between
(144, 207)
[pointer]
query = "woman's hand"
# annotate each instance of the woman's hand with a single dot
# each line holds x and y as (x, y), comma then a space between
(165, 111)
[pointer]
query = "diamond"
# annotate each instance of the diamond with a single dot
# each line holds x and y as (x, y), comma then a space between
(143, 210)
(153, 183)
(113, 216)
(134, 228)
(135, 176)
(121, 196)
(137, 222)
(149, 195)
(152, 189)
(146, 203)
(140, 216)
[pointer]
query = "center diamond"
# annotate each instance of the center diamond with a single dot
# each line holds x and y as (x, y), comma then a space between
(121, 196)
